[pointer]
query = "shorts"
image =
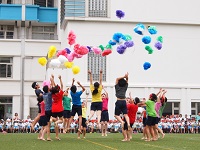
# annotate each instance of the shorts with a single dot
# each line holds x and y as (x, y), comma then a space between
(157, 120)
(48, 114)
(76, 109)
(43, 121)
(96, 106)
(67, 114)
(84, 122)
(104, 115)
(126, 125)
(120, 107)
(151, 121)
(57, 114)
(144, 121)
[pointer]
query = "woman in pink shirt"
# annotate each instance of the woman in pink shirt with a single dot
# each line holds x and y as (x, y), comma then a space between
(104, 113)
(158, 104)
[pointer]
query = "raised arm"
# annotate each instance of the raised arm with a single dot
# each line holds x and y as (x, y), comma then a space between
(125, 76)
(83, 88)
(52, 81)
(61, 83)
(100, 77)
(90, 76)
(73, 81)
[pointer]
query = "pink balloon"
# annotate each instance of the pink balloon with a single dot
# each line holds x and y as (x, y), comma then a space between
(46, 82)
(71, 38)
(70, 57)
(77, 55)
(96, 50)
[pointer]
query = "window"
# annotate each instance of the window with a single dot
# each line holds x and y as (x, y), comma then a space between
(43, 32)
(7, 1)
(98, 8)
(95, 63)
(172, 108)
(6, 31)
(44, 3)
(5, 107)
(33, 112)
(75, 8)
(6, 65)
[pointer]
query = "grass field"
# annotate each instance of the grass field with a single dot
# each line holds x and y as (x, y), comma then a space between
(95, 141)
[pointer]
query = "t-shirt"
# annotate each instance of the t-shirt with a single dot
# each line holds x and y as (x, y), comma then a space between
(48, 101)
(42, 107)
(104, 104)
(157, 108)
(57, 101)
(38, 92)
(66, 103)
(132, 111)
(161, 109)
(84, 110)
(96, 97)
(76, 97)
(120, 92)
(197, 118)
(150, 108)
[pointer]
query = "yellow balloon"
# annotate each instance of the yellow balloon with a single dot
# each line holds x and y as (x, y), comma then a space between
(75, 69)
(52, 51)
(68, 64)
(42, 61)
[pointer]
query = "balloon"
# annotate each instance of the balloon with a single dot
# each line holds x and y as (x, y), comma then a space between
(71, 38)
(158, 45)
(62, 59)
(129, 43)
(77, 55)
(75, 69)
(55, 63)
(70, 57)
(146, 39)
(81, 50)
(61, 52)
(42, 61)
(68, 64)
(46, 82)
(52, 51)
(139, 29)
(128, 37)
(120, 14)
(96, 50)
(121, 49)
(101, 47)
(160, 39)
(152, 29)
(146, 65)
(149, 49)
(106, 52)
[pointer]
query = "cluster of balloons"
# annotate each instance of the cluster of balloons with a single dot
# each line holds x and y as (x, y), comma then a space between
(147, 40)
(65, 57)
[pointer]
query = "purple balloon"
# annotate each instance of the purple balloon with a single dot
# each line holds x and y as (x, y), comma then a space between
(129, 43)
(121, 49)
(158, 45)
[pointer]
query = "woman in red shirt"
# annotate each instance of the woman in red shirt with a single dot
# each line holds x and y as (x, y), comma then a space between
(57, 107)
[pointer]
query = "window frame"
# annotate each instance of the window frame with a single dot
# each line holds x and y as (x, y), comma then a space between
(43, 32)
(6, 69)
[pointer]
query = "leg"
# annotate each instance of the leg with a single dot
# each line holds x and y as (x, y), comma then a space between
(98, 113)
(91, 115)
(37, 118)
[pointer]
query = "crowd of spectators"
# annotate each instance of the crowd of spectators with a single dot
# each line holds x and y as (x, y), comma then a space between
(168, 123)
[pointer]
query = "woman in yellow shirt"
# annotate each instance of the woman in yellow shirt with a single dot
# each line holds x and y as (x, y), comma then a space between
(96, 105)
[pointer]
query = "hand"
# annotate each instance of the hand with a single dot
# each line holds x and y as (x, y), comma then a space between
(52, 76)
(101, 71)
(89, 72)
(59, 76)
(73, 80)
(78, 83)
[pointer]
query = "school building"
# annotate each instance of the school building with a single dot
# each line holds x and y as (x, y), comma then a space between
(29, 27)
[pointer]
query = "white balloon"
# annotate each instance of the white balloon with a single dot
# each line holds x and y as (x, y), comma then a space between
(62, 59)
(55, 63)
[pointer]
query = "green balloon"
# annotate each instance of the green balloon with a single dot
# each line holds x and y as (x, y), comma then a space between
(160, 39)
(128, 37)
(109, 46)
(101, 47)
